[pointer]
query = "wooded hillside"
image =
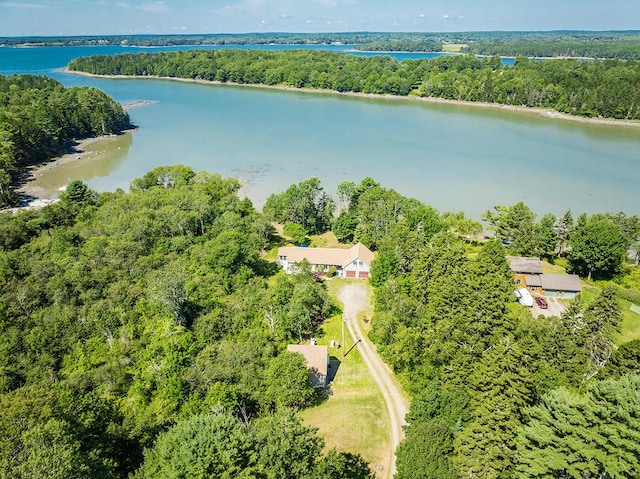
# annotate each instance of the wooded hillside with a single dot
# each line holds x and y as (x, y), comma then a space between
(139, 320)
(39, 117)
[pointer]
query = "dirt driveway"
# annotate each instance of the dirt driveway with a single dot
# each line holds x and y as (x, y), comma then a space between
(355, 298)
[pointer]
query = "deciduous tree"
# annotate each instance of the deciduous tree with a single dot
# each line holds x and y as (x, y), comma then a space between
(598, 247)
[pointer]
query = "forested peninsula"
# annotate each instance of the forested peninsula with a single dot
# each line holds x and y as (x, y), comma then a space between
(39, 119)
(592, 89)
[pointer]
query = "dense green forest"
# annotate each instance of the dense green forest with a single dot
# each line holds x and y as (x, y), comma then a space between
(606, 89)
(495, 392)
(39, 117)
(408, 45)
(143, 334)
(133, 337)
(622, 45)
(607, 44)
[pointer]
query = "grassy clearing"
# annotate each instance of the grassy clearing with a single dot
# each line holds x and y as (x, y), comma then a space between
(326, 240)
(556, 268)
(630, 326)
(354, 418)
(453, 47)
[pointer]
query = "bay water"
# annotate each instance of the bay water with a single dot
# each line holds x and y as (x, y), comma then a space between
(453, 157)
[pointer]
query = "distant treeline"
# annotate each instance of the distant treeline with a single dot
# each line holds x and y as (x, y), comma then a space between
(612, 44)
(38, 117)
(622, 45)
(606, 89)
(401, 46)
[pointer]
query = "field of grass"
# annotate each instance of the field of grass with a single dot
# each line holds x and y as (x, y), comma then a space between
(453, 47)
(630, 326)
(326, 240)
(559, 267)
(354, 418)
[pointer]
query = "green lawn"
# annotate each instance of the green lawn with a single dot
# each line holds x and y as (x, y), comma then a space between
(354, 417)
(630, 326)
(453, 47)
(559, 267)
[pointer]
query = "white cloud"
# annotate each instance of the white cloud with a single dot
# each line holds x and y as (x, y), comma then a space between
(159, 6)
(445, 17)
(22, 5)
(422, 15)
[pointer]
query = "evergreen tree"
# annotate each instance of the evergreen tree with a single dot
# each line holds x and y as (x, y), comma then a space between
(500, 389)
(564, 229)
(547, 241)
(589, 435)
(514, 226)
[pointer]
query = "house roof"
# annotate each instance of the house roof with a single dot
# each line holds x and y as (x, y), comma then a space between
(522, 264)
(561, 282)
(533, 280)
(328, 256)
(317, 358)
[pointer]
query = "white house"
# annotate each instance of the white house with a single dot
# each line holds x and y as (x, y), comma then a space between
(354, 262)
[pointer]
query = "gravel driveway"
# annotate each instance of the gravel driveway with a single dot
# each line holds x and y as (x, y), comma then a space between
(555, 308)
(355, 298)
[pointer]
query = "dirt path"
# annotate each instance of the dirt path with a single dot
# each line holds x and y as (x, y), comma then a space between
(355, 298)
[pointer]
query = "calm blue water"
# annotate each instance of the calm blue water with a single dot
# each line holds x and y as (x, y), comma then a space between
(452, 157)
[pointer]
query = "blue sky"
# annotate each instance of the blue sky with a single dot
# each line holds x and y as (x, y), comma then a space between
(80, 17)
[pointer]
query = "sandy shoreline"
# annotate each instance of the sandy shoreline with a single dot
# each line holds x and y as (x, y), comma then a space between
(30, 195)
(544, 112)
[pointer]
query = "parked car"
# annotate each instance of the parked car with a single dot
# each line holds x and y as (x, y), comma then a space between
(540, 301)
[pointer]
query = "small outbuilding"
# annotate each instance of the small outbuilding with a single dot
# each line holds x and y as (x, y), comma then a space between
(317, 358)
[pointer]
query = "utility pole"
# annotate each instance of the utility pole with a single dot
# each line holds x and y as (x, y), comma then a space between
(343, 345)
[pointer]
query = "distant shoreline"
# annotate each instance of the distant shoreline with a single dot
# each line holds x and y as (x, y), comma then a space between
(544, 112)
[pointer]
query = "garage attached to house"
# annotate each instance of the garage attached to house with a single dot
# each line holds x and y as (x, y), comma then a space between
(354, 262)
(561, 285)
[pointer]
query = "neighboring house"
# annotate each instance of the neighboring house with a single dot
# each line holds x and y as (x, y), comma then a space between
(317, 358)
(354, 262)
(524, 269)
(561, 285)
(527, 273)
